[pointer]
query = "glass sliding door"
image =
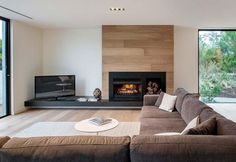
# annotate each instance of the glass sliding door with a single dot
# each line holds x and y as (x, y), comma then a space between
(4, 67)
(217, 66)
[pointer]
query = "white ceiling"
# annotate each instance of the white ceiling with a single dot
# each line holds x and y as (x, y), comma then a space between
(90, 13)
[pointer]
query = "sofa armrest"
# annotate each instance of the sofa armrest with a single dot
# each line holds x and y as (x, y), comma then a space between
(149, 100)
(183, 148)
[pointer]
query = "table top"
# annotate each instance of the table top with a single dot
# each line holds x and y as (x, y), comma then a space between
(86, 126)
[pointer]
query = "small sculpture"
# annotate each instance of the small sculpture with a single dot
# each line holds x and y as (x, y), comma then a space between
(97, 93)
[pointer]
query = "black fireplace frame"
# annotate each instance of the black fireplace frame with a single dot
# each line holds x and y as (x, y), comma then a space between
(142, 76)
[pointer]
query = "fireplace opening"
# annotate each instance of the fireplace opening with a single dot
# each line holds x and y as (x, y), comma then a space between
(131, 86)
(128, 89)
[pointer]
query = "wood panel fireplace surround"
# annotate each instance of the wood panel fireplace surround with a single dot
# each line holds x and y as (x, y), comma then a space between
(132, 86)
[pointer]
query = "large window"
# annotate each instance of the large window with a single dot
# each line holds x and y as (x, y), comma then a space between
(4, 67)
(217, 65)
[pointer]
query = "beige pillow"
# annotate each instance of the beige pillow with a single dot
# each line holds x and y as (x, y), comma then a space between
(190, 125)
(168, 134)
(168, 102)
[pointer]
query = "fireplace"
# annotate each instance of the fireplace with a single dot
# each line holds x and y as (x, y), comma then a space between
(126, 89)
(132, 86)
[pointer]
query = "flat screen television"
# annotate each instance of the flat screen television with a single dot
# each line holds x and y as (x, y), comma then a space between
(54, 86)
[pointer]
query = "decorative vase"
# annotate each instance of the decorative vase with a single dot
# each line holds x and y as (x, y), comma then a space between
(97, 93)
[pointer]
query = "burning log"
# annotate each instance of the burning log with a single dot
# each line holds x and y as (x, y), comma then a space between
(153, 88)
(128, 89)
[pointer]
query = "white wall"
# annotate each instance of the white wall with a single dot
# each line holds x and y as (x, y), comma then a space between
(74, 51)
(78, 51)
(26, 58)
(186, 58)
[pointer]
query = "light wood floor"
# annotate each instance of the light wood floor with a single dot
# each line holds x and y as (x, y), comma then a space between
(13, 124)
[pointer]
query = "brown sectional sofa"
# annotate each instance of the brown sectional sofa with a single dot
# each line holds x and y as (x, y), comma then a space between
(145, 147)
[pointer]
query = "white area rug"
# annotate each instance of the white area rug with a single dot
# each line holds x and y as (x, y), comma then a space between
(67, 129)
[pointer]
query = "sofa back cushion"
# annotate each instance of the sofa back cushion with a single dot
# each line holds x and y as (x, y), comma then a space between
(191, 108)
(3, 140)
(180, 93)
(225, 126)
(159, 100)
(207, 114)
(177, 148)
(66, 149)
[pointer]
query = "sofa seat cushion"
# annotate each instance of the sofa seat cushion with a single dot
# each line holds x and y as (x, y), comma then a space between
(66, 149)
(151, 126)
(191, 108)
(155, 112)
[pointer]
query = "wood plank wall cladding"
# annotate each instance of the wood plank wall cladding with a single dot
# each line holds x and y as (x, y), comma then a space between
(133, 48)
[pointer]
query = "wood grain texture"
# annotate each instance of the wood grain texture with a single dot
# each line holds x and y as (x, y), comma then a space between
(134, 48)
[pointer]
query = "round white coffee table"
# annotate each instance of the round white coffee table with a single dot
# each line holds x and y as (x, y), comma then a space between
(86, 126)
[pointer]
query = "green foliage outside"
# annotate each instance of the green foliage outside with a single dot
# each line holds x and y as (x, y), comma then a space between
(217, 64)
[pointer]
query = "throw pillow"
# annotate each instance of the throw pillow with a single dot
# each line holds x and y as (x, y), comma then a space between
(159, 99)
(208, 127)
(193, 123)
(168, 102)
(168, 134)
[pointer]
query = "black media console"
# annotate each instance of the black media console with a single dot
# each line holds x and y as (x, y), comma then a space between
(72, 102)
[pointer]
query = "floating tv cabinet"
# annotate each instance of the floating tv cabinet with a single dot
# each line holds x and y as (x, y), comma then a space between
(47, 103)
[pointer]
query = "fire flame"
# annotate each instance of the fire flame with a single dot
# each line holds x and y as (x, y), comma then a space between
(128, 89)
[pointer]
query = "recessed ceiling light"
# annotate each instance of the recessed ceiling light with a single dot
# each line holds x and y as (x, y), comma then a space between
(117, 9)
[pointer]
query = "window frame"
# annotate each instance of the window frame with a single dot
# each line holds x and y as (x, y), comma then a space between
(8, 66)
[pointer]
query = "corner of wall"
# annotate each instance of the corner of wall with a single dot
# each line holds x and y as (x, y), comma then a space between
(186, 58)
(26, 62)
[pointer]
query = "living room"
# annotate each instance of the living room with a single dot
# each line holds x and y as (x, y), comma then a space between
(117, 81)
